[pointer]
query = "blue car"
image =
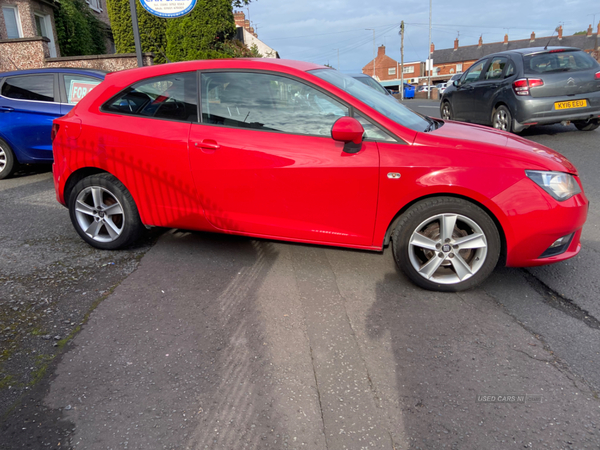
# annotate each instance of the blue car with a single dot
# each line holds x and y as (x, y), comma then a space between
(29, 101)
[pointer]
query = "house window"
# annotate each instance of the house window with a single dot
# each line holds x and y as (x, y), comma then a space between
(392, 71)
(43, 27)
(409, 69)
(95, 5)
(13, 24)
(459, 68)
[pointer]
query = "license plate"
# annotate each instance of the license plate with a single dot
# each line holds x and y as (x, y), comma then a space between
(571, 104)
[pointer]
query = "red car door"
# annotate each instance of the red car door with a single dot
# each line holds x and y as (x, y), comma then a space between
(264, 163)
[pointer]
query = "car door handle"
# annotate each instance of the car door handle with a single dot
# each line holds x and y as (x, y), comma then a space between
(208, 144)
(6, 109)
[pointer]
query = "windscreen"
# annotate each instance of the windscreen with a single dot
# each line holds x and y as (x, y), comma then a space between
(558, 61)
(384, 104)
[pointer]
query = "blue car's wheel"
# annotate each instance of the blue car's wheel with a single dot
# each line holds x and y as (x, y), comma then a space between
(8, 162)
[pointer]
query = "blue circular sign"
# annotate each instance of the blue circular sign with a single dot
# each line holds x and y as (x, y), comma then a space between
(168, 9)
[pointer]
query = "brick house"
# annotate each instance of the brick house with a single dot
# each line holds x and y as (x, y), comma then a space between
(447, 62)
(387, 69)
(246, 34)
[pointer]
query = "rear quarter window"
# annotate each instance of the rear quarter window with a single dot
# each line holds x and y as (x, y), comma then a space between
(558, 62)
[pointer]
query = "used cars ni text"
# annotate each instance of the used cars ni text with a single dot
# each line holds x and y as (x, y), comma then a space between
(29, 101)
(294, 151)
(516, 89)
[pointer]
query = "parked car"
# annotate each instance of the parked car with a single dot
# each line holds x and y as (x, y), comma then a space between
(294, 151)
(29, 101)
(371, 82)
(516, 89)
(441, 87)
(425, 88)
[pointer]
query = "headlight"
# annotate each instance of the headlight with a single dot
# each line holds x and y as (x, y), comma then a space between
(561, 186)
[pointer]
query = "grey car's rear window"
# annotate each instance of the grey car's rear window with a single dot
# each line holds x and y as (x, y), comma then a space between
(558, 61)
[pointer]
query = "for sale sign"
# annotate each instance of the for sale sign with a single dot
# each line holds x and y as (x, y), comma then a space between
(168, 8)
(79, 89)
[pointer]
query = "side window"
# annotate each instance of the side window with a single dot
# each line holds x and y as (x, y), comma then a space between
(31, 87)
(510, 70)
(171, 97)
(77, 86)
(373, 132)
(473, 73)
(267, 102)
(496, 69)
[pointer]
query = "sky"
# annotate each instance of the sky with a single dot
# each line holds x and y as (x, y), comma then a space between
(317, 30)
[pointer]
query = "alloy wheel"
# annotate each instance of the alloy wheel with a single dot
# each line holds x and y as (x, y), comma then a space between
(99, 214)
(447, 248)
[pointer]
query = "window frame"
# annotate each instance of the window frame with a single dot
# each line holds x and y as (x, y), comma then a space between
(352, 111)
(15, 8)
(95, 5)
(55, 87)
(104, 106)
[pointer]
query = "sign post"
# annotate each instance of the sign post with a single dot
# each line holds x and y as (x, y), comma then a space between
(167, 9)
(136, 33)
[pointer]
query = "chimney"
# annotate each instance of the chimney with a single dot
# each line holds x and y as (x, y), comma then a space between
(239, 18)
(456, 44)
(532, 36)
(381, 51)
(598, 30)
(506, 39)
(589, 33)
(247, 24)
(432, 48)
(480, 41)
(560, 32)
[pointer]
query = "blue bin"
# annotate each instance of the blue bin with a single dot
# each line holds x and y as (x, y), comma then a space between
(409, 91)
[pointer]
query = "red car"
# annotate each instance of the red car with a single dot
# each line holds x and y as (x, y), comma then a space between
(298, 152)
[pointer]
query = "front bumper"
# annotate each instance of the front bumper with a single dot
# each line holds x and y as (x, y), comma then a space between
(534, 221)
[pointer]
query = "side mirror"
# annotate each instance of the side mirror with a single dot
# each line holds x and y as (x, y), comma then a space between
(349, 131)
(455, 82)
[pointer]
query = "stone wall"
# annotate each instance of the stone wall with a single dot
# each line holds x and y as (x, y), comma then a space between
(110, 63)
(33, 53)
(23, 53)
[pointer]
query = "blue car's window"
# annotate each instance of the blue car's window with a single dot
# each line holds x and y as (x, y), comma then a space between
(30, 87)
(78, 86)
(169, 97)
(384, 104)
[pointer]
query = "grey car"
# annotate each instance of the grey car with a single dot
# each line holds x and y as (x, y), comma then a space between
(516, 89)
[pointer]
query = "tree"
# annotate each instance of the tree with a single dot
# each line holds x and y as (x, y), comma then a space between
(152, 29)
(202, 33)
(205, 33)
(79, 32)
(580, 33)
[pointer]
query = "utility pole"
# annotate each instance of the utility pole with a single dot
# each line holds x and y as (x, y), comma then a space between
(402, 60)
(136, 33)
(338, 58)
(374, 49)
(429, 62)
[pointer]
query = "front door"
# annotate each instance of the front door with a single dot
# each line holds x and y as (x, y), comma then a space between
(264, 162)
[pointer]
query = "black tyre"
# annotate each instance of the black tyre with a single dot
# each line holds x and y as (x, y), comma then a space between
(104, 213)
(446, 110)
(502, 118)
(586, 125)
(446, 244)
(8, 162)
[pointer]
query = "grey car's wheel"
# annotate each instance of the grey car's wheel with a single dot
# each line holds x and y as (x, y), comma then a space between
(446, 244)
(587, 125)
(104, 213)
(8, 162)
(502, 118)
(446, 110)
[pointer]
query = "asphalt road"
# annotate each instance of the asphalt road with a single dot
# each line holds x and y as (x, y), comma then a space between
(206, 341)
